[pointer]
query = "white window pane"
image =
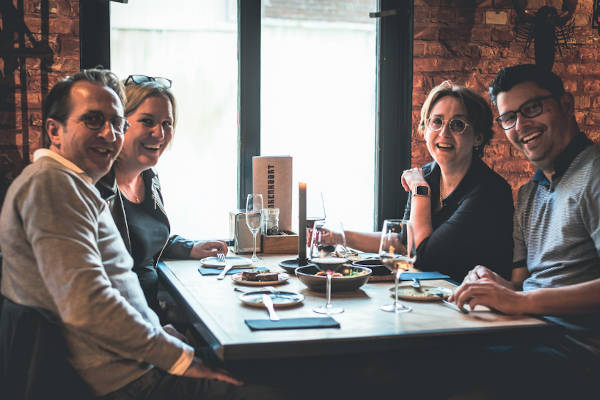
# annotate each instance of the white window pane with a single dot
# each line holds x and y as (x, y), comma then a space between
(193, 43)
(318, 100)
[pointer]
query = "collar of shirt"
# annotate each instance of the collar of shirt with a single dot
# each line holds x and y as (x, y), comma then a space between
(66, 163)
(564, 159)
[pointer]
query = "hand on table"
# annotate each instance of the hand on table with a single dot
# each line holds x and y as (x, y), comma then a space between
(208, 248)
(488, 292)
(411, 178)
(198, 370)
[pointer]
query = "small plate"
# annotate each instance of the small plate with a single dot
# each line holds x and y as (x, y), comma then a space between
(235, 261)
(428, 293)
(280, 299)
(237, 278)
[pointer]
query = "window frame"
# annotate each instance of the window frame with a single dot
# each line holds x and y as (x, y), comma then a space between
(393, 130)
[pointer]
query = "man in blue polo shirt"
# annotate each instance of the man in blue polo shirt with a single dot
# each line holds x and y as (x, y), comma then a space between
(557, 216)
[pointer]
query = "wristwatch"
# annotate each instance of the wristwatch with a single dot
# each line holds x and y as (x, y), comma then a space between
(421, 191)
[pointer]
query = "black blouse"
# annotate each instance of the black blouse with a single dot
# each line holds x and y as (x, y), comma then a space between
(472, 227)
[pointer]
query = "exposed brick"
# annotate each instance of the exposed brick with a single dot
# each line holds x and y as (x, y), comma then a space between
(425, 32)
(418, 49)
(582, 102)
(502, 35)
(591, 85)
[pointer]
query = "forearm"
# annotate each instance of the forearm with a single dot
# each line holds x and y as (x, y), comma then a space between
(574, 299)
(363, 241)
(420, 216)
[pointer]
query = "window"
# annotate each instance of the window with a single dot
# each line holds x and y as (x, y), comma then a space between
(193, 43)
(317, 80)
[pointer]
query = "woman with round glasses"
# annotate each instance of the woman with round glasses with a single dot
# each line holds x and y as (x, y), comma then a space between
(132, 188)
(461, 210)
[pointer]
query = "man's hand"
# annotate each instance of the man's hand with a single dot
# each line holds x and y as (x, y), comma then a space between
(198, 370)
(411, 178)
(490, 293)
(208, 248)
(170, 329)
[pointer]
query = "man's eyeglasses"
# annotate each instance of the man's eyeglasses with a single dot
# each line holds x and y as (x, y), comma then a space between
(95, 120)
(529, 109)
(457, 126)
(141, 79)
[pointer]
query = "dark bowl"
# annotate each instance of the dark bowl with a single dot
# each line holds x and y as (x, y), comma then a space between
(318, 283)
(374, 265)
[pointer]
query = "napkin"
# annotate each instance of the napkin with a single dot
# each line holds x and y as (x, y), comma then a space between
(407, 276)
(292, 323)
(216, 271)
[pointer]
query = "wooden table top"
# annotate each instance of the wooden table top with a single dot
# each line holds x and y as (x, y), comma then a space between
(219, 317)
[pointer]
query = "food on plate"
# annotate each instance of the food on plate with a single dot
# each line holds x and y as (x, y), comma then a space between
(344, 273)
(259, 276)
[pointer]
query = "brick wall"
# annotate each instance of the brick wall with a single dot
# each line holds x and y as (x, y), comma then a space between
(468, 41)
(39, 44)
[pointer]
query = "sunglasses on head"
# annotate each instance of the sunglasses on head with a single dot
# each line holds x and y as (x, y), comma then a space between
(141, 79)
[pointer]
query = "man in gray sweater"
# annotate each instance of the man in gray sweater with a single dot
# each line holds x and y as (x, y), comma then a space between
(63, 253)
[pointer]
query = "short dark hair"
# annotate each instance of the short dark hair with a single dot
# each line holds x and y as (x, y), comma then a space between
(509, 77)
(57, 104)
(478, 110)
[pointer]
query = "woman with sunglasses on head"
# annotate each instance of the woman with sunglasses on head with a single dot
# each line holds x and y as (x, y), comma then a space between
(132, 188)
(461, 210)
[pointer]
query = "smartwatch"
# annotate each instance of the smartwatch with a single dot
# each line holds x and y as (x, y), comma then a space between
(421, 191)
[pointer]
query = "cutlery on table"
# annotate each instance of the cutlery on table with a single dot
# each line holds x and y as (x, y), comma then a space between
(269, 304)
(417, 285)
(228, 266)
(454, 306)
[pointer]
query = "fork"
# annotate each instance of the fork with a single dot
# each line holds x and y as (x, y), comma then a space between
(226, 268)
(417, 285)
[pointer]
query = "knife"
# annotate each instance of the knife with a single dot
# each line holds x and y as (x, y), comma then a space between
(454, 306)
(269, 304)
(226, 269)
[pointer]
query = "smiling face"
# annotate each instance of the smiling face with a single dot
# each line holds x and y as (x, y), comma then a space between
(92, 150)
(449, 150)
(150, 132)
(540, 138)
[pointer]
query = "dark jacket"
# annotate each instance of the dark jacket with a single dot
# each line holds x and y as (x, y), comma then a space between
(473, 226)
(176, 247)
(33, 357)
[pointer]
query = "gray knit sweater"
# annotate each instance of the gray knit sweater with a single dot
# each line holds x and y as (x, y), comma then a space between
(62, 252)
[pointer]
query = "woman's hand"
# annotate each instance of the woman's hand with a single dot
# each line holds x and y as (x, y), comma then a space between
(411, 178)
(208, 248)
(198, 370)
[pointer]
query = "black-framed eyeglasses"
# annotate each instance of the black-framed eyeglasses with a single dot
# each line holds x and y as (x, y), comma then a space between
(530, 109)
(141, 79)
(95, 120)
(457, 126)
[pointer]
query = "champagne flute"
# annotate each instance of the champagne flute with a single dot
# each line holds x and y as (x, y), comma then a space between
(254, 205)
(328, 243)
(398, 253)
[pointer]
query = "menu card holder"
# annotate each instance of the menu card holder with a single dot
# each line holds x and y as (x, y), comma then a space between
(272, 177)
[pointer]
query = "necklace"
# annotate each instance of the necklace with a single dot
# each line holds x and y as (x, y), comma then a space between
(441, 194)
(131, 192)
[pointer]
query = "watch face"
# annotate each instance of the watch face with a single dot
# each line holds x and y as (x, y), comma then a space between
(422, 191)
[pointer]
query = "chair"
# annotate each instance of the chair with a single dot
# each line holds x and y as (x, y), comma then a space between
(33, 356)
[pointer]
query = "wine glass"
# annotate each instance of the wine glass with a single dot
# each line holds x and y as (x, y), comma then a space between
(327, 251)
(315, 211)
(398, 253)
(254, 205)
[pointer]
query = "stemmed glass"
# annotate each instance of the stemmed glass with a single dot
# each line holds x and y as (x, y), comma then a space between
(398, 253)
(328, 247)
(254, 205)
(315, 211)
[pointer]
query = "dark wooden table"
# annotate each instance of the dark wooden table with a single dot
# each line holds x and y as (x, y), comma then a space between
(218, 315)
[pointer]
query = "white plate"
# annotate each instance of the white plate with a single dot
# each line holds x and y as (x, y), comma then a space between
(428, 293)
(235, 261)
(237, 278)
(280, 299)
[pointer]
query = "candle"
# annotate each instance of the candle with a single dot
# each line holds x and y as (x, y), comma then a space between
(301, 222)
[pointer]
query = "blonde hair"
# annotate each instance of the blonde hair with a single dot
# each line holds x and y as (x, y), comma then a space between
(137, 93)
